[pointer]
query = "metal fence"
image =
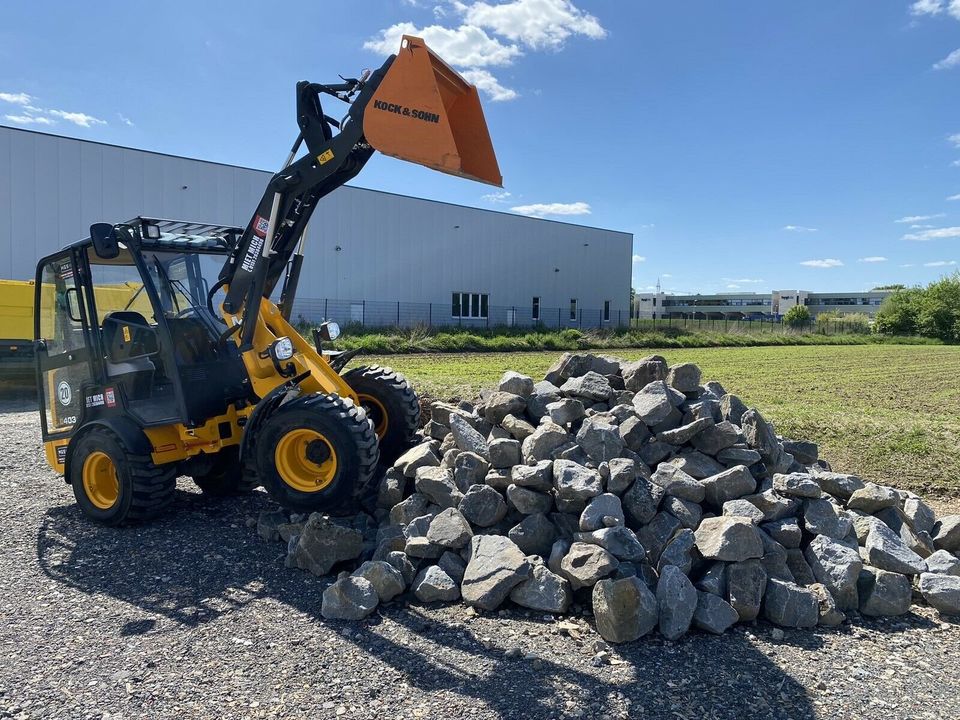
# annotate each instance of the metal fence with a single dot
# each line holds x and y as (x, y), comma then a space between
(383, 314)
(378, 313)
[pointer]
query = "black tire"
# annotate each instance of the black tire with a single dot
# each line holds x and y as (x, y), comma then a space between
(143, 490)
(394, 398)
(335, 428)
(226, 475)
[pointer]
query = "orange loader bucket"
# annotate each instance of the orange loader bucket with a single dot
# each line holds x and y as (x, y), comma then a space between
(424, 112)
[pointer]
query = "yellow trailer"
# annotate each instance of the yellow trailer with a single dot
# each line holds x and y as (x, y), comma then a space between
(16, 331)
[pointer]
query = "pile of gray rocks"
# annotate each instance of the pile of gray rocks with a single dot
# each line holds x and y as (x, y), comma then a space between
(638, 492)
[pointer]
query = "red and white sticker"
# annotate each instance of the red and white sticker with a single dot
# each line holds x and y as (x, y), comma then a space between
(110, 397)
(260, 226)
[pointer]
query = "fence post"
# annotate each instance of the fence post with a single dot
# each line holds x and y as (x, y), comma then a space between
(363, 314)
(325, 316)
(581, 319)
(559, 310)
(398, 313)
(430, 315)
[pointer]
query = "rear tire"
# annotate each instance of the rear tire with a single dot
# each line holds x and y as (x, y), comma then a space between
(113, 486)
(392, 406)
(317, 453)
(226, 475)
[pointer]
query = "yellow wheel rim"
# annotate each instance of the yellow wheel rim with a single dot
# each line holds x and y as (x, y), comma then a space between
(100, 483)
(306, 460)
(376, 412)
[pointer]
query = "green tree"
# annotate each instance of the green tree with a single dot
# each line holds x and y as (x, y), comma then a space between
(797, 316)
(939, 309)
(890, 287)
(899, 313)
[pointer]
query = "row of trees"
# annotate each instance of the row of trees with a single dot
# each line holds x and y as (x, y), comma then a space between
(933, 311)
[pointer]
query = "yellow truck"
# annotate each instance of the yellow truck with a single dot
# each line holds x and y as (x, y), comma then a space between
(16, 332)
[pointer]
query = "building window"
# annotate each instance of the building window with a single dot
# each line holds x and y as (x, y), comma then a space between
(606, 311)
(654, 302)
(470, 305)
(573, 308)
(536, 308)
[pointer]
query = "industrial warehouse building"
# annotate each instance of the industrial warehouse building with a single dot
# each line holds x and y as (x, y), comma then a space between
(754, 306)
(371, 257)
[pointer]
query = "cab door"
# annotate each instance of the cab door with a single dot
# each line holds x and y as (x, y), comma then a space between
(62, 351)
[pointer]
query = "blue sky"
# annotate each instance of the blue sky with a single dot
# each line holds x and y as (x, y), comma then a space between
(748, 145)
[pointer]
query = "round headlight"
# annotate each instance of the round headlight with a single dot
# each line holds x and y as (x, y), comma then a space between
(282, 349)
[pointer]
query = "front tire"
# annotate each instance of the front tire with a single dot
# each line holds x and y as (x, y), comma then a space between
(113, 486)
(317, 453)
(392, 406)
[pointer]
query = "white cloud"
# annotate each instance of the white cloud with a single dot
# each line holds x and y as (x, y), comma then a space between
(927, 7)
(872, 259)
(499, 196)
(955, 163)
(487, 83)
(954, 197)
(908, 265)
(940, 263)
(535, 23)
(492, 35)
(639, 258)
(744, 281)
(935, 234)
(919, 218)
(542, 209)
(798, 228)
(466, 46)
(78, 118)
(667, 275)
(825, 263)
(954, 140)
(16, 98)
(921, 227)
(125, 120)
(950, 61)
(29, 119)
(733, 286)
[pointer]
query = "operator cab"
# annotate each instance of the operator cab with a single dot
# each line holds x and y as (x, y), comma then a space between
(125, 320)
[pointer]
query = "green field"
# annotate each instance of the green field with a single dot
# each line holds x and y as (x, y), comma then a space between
(888, 412)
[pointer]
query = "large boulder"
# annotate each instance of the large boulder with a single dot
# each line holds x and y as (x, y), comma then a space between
(822, 517)
(514, 382)
(684, 377)
(449, 529)
(796, 484)
(715, 438)
(534, 535)
(942, 592)
(573, 481)
(883, 593)
(544, 591)
(577, 364)
(653, 403)
(730, 539)
(418, 456)
(619, 541)
(760, 435)
(600, 441)
(728, 485)
(838, 567)
(495, 567)
(943, 563)
(746, 582)
(787, 604)
(676, 602)
(676, 482)
(545, 439)
(637, 375)
(713, 613)
(641, 501)
(872, 497)
(438, 486)
(885, 550)
(349, 598)
(566, 411)
(483, 506)
(467, 438)
(602, 511)
(386, 579)
(585, 564)
(946, 533)
(434, 584)
(323, 543)
(624, 609)
(839, 485)
(500, 404)
(527, 501)
(591, 387)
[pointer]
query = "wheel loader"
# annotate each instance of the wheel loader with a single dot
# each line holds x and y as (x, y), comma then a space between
(161, 352)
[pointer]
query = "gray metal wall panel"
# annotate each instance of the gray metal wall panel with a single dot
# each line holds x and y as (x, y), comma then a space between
(393, 248)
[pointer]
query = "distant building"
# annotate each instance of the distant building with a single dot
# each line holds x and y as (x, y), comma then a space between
(746, 306)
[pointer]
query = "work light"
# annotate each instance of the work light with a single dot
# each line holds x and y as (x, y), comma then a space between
(282, 349)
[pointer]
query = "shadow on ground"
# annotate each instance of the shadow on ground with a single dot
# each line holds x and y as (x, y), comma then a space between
(201, 563)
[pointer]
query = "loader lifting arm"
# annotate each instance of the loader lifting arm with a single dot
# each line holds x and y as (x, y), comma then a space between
(414, 107)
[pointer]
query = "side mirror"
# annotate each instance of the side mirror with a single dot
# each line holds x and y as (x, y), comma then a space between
(105, 242)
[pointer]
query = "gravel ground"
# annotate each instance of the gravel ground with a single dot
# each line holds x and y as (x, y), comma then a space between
(195, 616)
